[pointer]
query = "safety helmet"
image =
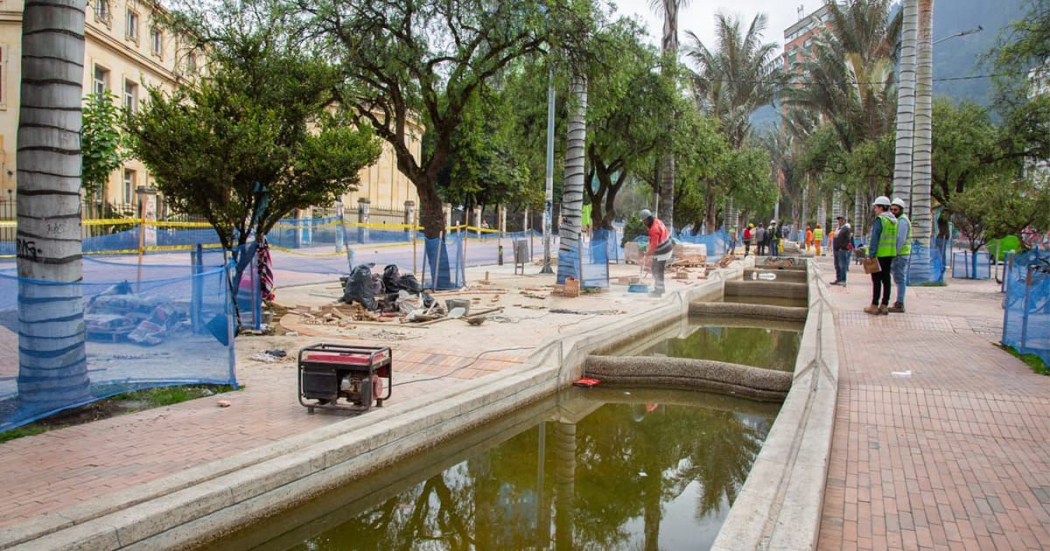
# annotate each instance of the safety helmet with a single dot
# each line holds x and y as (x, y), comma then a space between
(882, 201)
(646, 213)
(751, 225)
(900, 203)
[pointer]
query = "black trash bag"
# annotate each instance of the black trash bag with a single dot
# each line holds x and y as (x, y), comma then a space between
(428, 300)
(391, 279)
(377, 284)
(359, 288)
(411, 284)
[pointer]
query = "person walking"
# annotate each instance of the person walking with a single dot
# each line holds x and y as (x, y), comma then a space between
(760, 240)
(747, 238)
(809, 238)
(841, 244)
(883, 246)
(818, 238)
(659, 251)
(900, 262)
(732, 241)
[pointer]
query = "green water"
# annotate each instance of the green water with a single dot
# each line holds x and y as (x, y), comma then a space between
(753, 346)
(594, 469)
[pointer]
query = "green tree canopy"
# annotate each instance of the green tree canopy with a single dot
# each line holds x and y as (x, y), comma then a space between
(101, 142)
(258, 137)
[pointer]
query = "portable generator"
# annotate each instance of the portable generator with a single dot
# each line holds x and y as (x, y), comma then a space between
(358, 374)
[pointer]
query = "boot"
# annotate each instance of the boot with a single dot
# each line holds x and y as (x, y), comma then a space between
(884, 310)
(897, 308)
(873, 310)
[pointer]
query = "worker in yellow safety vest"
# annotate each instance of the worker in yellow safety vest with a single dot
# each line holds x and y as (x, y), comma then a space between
(900, 262)
(818, 237)
(883, 246)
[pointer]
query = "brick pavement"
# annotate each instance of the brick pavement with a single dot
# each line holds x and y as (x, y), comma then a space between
(956, 456)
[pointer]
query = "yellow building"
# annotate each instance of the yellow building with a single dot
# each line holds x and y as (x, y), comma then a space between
(125, 52)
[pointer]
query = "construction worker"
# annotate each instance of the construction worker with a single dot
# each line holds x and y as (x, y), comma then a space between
(659, 251)
(900, 262)
(841, 245)
(883, 246)
(818, 238)
(748, 235)
(809, 238)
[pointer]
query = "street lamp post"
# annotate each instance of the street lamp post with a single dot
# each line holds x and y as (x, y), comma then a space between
(548, 205)
(960, 33)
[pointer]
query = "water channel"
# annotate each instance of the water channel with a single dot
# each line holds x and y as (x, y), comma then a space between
(766, 347)
(587, 469)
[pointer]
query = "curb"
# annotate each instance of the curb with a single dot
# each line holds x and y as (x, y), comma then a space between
(205, 502)
(780, 504)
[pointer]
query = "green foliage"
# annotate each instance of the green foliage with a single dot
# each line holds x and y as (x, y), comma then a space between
(1033, 361)
(101, 142)
(262, 119)
(1025, 45)
(999, 206)
(632, 229)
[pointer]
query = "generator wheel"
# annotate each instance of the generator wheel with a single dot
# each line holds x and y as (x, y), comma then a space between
(367, 392)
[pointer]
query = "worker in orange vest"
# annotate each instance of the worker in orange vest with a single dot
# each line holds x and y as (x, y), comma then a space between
(809, 238)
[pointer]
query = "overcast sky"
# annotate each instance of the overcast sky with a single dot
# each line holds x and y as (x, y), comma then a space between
(699, 16)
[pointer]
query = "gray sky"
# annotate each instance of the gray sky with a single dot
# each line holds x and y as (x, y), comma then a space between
(699, 16)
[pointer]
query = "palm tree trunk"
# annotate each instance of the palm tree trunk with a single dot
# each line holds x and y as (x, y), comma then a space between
(859, 208)
(921, 217)
(52, 359)
(902, 171)
(669, 46)
(565, 485)
(572, 192)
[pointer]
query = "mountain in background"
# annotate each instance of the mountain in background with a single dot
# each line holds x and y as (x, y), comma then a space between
(956, 57)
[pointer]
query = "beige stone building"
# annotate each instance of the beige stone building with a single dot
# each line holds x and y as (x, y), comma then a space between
(125, 53)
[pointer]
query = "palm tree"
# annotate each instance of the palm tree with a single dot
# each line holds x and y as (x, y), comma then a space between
(572, 191)
(906, 102)
(922, 218)
(741, 76)
(52, 359)
(669, 46)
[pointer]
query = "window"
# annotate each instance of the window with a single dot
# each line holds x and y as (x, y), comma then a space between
(131, 26)
(156, 38)
(129, 186)
(191, 62)
(131, 96)
(101, 80)
(102, 11)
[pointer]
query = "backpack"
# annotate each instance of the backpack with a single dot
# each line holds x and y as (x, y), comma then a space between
(747, 233)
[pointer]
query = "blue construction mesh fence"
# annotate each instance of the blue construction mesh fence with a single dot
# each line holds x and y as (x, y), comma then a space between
(1026, 308)
(141, 327)
(971, 265)
(932, 271)
(443, 266)
(589, 261)
(717, 242)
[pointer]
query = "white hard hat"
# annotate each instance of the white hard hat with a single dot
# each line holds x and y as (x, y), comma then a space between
(900, 203)
(882, 201)
(645, 214)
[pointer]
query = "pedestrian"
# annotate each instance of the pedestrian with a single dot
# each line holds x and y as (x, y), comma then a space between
(760, 240)
(840, 248)
(883, 246)
(818, 238)
(659, 251)
(809, 238)
(773, 235)
(900, 262)
(747, 238)
(732, 241)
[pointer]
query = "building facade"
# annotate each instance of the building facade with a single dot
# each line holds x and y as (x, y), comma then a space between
(799, 39)
(125, 53)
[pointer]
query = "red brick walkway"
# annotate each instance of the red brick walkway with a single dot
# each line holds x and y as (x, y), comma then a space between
(954, 456)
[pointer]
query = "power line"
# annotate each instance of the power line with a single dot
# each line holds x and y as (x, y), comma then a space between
(879, 83)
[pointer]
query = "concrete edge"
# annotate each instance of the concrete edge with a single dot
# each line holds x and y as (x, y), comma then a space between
(217, 496)
(780, 504)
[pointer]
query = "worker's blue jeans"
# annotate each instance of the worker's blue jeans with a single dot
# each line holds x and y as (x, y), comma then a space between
(842, 259)
(900, 276)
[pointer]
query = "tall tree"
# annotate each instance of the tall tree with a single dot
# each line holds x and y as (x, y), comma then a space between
(902, 176)
(572, 191)
(669, 65)
(922, 173)
(51, 354)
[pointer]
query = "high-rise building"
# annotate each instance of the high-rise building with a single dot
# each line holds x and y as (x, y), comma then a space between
(799, 39)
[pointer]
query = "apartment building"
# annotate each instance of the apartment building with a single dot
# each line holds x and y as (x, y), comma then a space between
(125, 53)
(799, 38)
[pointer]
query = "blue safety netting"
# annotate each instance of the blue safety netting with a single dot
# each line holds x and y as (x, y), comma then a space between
(443, 266)
(970, 265)
(1026, 315)
(933, 271)
(717, 242)
(148, 326)
(589, 261)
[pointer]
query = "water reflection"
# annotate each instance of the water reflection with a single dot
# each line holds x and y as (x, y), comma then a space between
(647, 474)
(754, 346)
